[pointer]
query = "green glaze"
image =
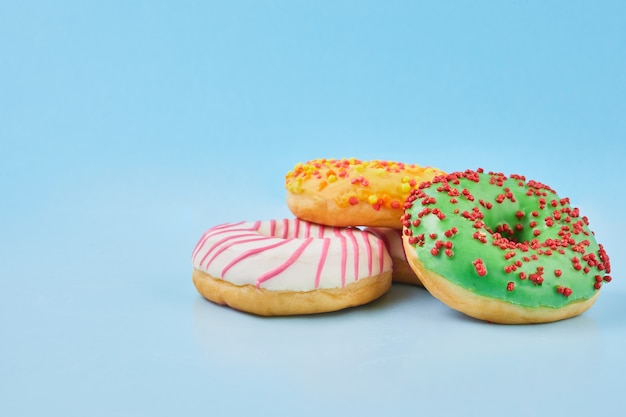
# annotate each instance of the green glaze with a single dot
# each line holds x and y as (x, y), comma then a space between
(574, 238)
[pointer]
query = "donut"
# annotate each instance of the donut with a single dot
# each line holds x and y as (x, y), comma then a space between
(402, 271)
(289, 266)
(351, 192)
(503, 249)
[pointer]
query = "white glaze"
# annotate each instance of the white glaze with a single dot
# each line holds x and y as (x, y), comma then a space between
(290, 254)
(392, 239)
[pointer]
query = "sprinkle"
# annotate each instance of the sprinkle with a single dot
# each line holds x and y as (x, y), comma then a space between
(481, 269)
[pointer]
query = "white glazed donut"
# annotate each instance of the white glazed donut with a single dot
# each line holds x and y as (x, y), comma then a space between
(290, 266)
(402, 271)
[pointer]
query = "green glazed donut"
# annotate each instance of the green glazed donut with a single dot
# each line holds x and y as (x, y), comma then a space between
(502, 249)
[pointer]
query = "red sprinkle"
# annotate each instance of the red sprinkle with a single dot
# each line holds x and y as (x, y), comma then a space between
(481, 270)
(564, 290)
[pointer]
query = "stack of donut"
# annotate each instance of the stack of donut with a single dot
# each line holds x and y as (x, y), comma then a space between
(498, 248)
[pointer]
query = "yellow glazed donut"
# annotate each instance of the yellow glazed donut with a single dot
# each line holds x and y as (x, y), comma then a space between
(351, 192)
(290, 266)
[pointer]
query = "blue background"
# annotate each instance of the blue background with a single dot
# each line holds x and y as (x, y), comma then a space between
(127, 128)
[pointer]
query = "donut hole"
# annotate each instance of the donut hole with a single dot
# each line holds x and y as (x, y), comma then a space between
(515, 225)
(516, 232)
(506, 231)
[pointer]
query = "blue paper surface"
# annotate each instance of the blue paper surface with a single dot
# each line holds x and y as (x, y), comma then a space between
(129, 128)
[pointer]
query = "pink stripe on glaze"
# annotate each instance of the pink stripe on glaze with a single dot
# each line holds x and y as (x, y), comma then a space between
(280, 268)
(322, 262)
(251, 252)
(344, 255)
(206, 235)
(381, 255)
(297, 228)
(223, 248)
(285, 228)
(273, 228)
(214, 233)
(385, 239)
(199, 245)
(368, 250)
(355, 246)
(211, 248)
